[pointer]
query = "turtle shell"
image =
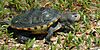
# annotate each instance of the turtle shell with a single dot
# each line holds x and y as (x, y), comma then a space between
(36, 18)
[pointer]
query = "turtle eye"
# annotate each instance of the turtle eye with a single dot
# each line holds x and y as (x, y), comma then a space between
(75, 15)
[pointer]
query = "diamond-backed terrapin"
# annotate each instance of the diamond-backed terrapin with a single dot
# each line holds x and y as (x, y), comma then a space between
(41, 21)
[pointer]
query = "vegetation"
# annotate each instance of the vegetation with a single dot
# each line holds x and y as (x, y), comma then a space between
(86, 34)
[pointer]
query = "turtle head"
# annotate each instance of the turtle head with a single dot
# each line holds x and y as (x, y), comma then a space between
(70, 17)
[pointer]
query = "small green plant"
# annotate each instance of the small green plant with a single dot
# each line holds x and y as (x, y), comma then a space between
(13, 48)
(70, 37)
(4, 47)
(69, 40)
(53, 47)
(98, 30)
(59, 40)
(76, 42)
(97, 41)
(38, 48)
(1, 33)
(89, 42)
(3, 10)
(29, 43)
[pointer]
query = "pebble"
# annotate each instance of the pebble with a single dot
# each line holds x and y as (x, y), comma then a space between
(2, 42)
(98, 23)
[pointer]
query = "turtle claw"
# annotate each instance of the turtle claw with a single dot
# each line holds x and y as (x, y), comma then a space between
(47, 41)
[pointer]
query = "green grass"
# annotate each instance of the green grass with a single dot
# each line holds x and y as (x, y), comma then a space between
(10, 8)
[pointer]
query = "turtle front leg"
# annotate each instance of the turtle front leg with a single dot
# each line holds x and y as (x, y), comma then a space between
(51, 32)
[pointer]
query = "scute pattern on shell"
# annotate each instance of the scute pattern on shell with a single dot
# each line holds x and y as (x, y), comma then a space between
(35, 17)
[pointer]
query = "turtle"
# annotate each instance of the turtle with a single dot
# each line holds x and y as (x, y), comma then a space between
(44, 21)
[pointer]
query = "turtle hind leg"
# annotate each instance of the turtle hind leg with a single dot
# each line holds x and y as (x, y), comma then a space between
(22, 39)
(51, 32)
